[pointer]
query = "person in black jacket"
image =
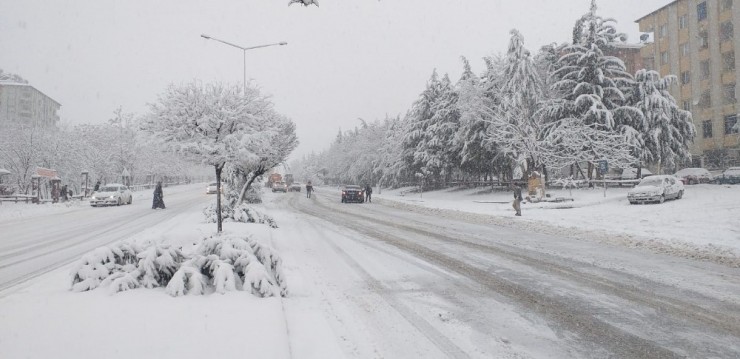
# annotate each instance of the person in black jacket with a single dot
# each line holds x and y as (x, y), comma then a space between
(158, 201)
(368, 193)
(517, 200)
(309, 189)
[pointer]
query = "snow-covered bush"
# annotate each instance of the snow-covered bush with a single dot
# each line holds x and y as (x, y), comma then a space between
(219, 264)
(242, 213)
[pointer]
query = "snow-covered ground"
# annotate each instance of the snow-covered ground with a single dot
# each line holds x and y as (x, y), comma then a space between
(42, 318)
(705, 223)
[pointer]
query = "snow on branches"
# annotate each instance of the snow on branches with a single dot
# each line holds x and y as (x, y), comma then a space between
(219, 264)
(241, 213)
(304, 2)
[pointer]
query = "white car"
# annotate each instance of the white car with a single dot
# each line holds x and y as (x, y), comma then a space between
(279, 187)
(656, 189)
(113, 194)
(212, 188)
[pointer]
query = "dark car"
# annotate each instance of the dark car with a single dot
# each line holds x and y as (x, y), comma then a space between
(730, 176)
(694, 176)
(353, 193)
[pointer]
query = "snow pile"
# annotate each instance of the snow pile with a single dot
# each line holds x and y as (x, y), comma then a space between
(219, 264)
(242, 213)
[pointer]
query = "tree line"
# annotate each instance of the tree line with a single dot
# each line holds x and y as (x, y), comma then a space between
(561, 110)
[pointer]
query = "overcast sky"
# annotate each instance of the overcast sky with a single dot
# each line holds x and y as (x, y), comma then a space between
(346, 59)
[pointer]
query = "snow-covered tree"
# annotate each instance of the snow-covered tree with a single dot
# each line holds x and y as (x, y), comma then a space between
(211, 123)
(666, 131)
(515, 125)
(589, 89)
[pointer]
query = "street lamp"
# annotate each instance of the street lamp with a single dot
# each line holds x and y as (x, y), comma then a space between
(244, 52)
(84, 173)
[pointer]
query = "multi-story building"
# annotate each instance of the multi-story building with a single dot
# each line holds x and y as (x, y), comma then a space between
(22, 103)
(695, 40)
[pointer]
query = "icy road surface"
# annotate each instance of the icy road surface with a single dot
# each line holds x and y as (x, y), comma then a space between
(36, 244)
(403, 284)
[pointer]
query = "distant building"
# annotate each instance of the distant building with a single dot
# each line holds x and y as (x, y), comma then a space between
(695, 41)
(23, 103)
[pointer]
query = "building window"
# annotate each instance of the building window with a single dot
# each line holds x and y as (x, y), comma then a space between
(664, 57)
(703, 40)
(683, 21)
(728, 94)
(706, 127)
(726, 5)
(731, 124)
(726, 31)
(687, 106)
(701, 11)
(685, 77)
(705, 69)
(663, 31)
(684, 49)
(705, 101)
(728, 61)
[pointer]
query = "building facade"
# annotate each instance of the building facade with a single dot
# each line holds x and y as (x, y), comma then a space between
(24, 104)
(695, 41)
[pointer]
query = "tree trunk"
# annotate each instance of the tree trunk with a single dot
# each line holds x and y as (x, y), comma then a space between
(219, 220)
(248, 184)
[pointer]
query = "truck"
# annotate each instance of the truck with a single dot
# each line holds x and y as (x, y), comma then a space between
(275, 177)
(288, 178)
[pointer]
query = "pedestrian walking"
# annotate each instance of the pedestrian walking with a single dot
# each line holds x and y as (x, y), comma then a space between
(309, 189)
(97, 186)
(158, 201)
(517, 204)
(368, 193)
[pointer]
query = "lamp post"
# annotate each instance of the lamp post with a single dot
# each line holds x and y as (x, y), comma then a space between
(84, 173)
(244, 52)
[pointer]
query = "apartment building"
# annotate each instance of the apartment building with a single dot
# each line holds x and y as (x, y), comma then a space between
(695, 40)
(22, 103)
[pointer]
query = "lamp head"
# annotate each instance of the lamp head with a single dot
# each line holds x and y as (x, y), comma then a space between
(205, 36)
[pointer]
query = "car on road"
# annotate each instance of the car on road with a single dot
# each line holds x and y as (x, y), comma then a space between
(694, 175)
(279, 187)
(112, 194)
(294, 187)
(353, 193)
(656, 189)
(212, 188)
(729, 176)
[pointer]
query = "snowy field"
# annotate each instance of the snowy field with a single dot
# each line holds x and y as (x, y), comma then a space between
(42, 318)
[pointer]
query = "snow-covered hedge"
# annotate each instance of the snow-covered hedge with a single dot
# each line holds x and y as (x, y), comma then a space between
(242, 213)
(219, 264)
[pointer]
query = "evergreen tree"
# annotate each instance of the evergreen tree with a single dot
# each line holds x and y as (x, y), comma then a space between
(667, 131)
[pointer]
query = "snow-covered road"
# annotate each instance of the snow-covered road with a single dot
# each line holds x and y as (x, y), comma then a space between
(30, 246)
(394, 283)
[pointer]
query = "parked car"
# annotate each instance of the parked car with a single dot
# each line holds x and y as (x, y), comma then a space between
(279, 187)
(295, 187)
(113, 194)
(212, 188)
(694, 175)
(656, 189)
(730, 176)
(352, 193)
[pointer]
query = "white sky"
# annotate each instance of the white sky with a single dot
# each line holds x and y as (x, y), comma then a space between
(345, 60)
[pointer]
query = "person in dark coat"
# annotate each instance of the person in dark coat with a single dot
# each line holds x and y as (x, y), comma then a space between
(97, 186)
(309, 189)
(517, 200)
(368, 193)
(158, 201)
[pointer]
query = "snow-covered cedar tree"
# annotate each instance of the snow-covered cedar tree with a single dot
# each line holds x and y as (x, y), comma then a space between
(219, 264)
(666, 131)
(591, 87)
(211, 123)
(515, 125)
(241, 213)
